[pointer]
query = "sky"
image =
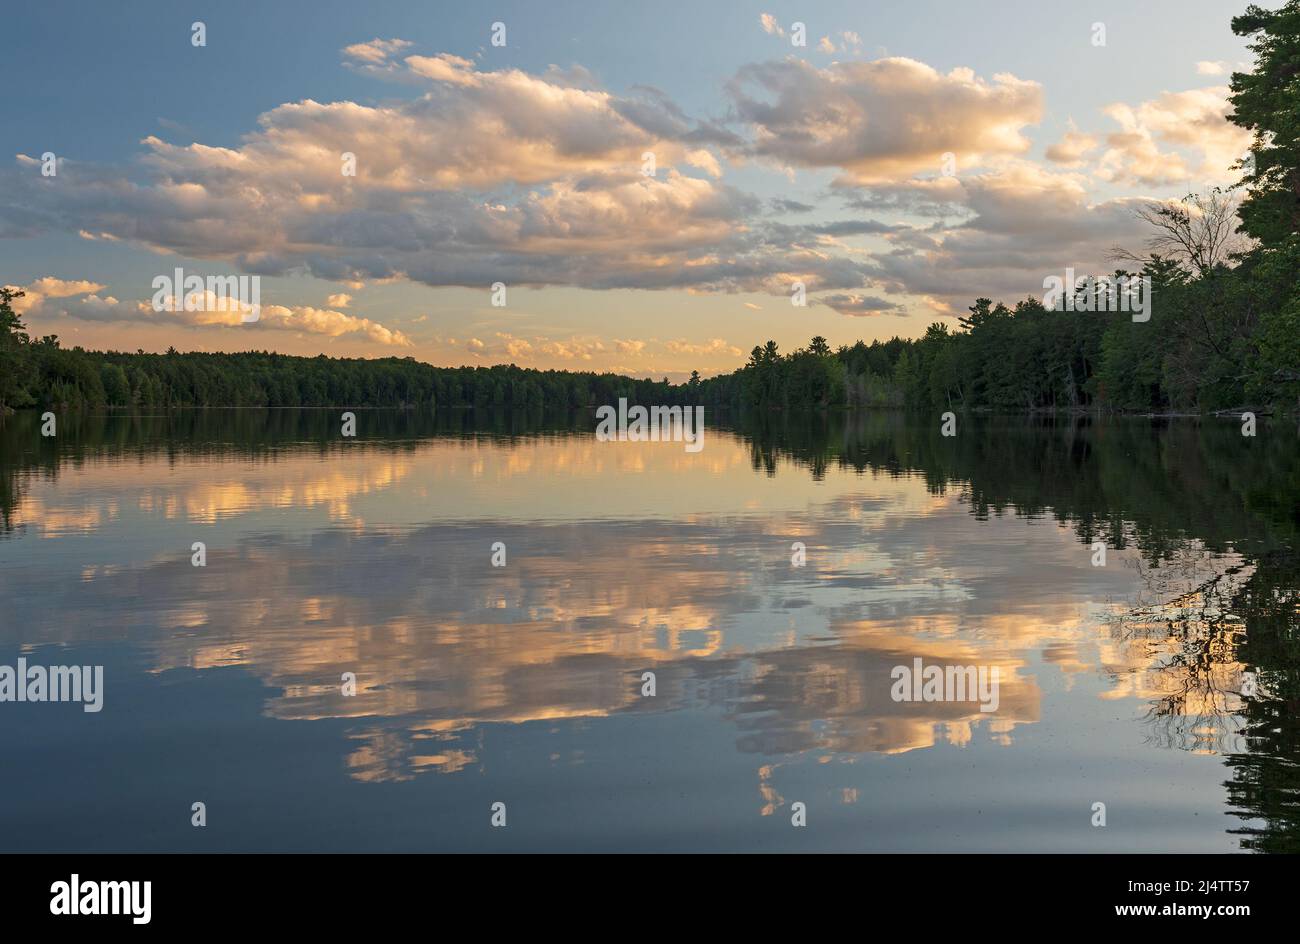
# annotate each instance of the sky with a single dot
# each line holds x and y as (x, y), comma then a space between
(902, 161)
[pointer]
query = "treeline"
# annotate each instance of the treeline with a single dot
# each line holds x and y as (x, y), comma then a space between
(41, 373)
(1224, 338)
(1228, 338)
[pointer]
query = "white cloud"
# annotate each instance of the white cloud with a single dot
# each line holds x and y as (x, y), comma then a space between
(40, 291)
(80, 299)
(376, 50)
(488, 176)
(883, 119)
(1177, 137)
(1072, 148)
(710, 347)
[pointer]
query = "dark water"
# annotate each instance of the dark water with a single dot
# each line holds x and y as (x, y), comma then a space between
(1163, 684)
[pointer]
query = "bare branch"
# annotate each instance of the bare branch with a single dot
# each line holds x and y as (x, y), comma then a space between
(1199, 232)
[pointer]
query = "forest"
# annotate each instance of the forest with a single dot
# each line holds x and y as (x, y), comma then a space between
(43, 373)
(1223, 333)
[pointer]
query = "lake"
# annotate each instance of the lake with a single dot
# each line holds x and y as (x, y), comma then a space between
(498, 588)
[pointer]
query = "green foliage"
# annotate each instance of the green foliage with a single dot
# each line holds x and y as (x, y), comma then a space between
(44, 374)
(1265, 102)
(17, 372)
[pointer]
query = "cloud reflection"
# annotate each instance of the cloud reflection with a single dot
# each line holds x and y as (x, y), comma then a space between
(394, 584)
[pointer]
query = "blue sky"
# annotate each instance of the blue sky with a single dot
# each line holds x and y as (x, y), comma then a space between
(90, 82)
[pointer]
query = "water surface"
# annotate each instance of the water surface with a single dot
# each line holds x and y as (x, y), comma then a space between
(1120, 684)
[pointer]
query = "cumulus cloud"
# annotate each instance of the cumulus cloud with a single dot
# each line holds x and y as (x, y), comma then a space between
(330, 323)
(573, 349)
(81, 299)
(37, 294)
(712, 346)
(485, 177)
(1072, 148)
(1007, 228)
(1023, 222)
(880, 120)
(1180, 136)
(378, 57)
(535, 349)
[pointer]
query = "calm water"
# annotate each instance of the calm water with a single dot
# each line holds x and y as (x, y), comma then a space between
(1120, 684)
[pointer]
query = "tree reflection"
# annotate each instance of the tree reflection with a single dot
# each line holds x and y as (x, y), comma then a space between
(1185, 493)
(1211, 515)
